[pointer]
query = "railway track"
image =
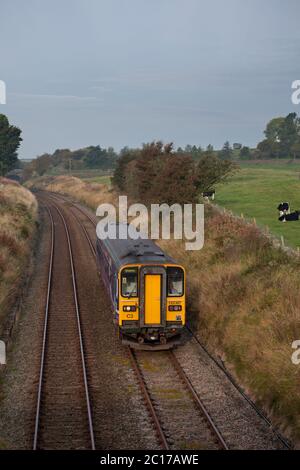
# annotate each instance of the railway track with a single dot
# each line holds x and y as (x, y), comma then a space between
(286, 444)
(180, 418)
(168, 366)
(63, 412)
(204, 433)
(101, 354)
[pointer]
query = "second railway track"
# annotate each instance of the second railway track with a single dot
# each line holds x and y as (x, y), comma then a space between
(63, 413)
(180, 418)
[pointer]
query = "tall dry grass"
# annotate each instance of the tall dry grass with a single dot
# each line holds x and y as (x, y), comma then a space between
(18, 209)
(243, 300)
(90, 194)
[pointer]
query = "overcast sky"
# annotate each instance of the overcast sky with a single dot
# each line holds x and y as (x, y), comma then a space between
(123, 72)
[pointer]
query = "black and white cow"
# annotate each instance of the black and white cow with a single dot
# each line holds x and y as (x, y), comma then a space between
(290, 217)
(209, 194)
(283, 208)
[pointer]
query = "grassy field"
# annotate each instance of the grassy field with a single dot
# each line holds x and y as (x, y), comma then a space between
(92, 175)
(104, 179)
(256, 192)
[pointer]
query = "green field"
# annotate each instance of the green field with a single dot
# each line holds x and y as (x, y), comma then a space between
(256, 192)
(89, 175)
(104, 179)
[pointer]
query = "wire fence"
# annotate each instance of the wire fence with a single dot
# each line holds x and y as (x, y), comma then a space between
(278, 242)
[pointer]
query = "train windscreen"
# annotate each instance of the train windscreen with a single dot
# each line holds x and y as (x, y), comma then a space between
(175, 277)
(129, 282)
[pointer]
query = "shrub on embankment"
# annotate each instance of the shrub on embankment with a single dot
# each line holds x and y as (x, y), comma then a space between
(243, 299)
(18, 211)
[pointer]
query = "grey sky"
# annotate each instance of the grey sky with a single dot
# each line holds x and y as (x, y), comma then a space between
(123, 72)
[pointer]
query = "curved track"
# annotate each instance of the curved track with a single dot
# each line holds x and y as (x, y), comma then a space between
(168, 366)
(63, 412)
(200, 428)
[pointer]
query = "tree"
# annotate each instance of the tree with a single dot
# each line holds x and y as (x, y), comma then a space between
(148, 165)
(126, 156)
(226, 152)
(272, 131)
(10, 140)
(211, 171)
(289, 133)
(282, 135)
(42, 164)
(175, 184)
(245, 153)
(295, 149)
(188, 149)
(209, 152)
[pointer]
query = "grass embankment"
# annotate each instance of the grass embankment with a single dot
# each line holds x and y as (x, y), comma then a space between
(243, 299)
(18, 210)
(89, 193)
(257, 189)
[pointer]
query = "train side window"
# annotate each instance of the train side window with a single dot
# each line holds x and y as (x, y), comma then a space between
(116, 288)
(175, 281)
(129, 282)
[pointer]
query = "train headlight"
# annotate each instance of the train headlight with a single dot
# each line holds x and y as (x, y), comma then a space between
(129, 308)
(175, 308)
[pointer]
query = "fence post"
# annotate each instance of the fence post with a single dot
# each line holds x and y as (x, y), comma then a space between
(282, 241)
(2, 353)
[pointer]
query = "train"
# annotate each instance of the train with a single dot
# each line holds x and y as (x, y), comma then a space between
(147, 292)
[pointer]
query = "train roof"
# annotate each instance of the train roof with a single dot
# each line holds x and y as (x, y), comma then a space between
(138, 251)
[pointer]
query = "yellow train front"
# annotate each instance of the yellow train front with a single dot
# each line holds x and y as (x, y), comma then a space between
(147, 292)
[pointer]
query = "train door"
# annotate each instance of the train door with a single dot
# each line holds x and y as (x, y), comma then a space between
(152, 299)
(153, 296)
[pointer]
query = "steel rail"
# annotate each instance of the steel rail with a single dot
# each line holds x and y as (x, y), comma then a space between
(143, 387)
(240, 391)
(40, 387)
(198, 401)
(88, 402)
(147, 398)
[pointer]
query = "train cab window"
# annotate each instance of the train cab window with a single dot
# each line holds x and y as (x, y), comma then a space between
(129, 282)
(175, 280)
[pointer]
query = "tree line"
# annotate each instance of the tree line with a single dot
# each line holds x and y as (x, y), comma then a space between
(281, 140)
(93, 157)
